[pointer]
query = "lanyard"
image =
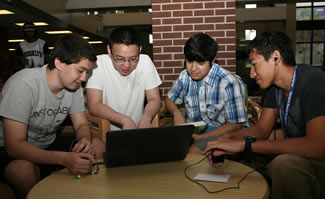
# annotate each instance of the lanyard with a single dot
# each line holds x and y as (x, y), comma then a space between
(284, 121)
(198, 94)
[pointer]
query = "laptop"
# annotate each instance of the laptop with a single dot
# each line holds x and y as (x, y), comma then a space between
(148, 145)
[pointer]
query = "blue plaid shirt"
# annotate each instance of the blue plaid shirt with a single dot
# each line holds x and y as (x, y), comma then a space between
(220, 98)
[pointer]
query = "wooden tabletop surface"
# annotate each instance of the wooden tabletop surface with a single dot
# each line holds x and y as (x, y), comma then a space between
(152, 181)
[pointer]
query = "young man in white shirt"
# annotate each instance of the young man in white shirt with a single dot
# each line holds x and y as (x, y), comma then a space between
(124, 77)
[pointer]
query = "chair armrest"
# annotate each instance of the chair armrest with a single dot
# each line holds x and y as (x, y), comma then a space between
(258, 109)
(99, 126)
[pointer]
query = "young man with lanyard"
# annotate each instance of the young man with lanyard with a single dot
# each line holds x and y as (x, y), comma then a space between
(210, 93)
(122, 81)
(295, 94)
(33, 104)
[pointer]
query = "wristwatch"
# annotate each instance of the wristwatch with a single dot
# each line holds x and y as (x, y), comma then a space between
(248, 143)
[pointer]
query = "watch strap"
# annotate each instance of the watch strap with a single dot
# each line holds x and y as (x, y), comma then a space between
(248, 143)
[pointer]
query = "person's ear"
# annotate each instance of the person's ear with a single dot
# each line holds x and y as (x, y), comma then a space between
(140, 49)
(108, 50)
(276, 56)
(213, 61)
(58, 64)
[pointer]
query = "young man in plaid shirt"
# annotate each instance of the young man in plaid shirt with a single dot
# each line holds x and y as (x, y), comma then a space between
(210, 93)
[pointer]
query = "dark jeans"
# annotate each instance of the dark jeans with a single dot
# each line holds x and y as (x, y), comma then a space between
(61, 143)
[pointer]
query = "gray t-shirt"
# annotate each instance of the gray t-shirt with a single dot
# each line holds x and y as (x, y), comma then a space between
(26, 98)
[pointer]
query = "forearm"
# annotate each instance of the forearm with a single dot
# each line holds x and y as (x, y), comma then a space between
(256, 131)
(222, 130)
(174, 110)
(83, 131)
(103, 111)
(152, 108)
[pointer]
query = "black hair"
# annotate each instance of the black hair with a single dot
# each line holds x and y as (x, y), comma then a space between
(267, 42)
(124, 35)
(71, 49)
(200, 47)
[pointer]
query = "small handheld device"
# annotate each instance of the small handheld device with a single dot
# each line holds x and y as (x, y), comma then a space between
(94, 169)
(217, 159)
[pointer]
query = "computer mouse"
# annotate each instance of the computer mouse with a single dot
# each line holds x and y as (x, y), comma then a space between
(217, 159)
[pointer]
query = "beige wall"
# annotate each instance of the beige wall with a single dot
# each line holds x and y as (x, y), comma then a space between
(56, 6)
(89, 4)
(142, 18)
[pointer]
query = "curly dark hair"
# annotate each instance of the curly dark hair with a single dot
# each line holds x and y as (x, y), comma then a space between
(71, 49)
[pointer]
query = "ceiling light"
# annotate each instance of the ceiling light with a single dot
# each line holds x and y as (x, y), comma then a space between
(12, 49)
(303, 4)
(250, 5)
(35, 23)
(85, 37)
(95, 42)
(51, 47)
(150, 39)
(59, 32)
(319, 3)
(15, 40)
(6, 12)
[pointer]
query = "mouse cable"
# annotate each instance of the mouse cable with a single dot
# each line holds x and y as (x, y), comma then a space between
(217, 191)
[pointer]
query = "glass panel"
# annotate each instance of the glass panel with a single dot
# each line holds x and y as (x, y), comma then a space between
(250, 34)
(303, 53)
(319, 13)
(303, 14)
(303, 4)
(319, 3)
(318, 54)
(303, 35)
(319, 35)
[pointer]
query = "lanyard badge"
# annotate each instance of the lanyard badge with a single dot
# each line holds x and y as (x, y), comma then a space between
(284, 121)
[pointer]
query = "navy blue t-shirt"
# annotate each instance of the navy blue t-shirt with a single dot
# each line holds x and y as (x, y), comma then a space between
(308, 100)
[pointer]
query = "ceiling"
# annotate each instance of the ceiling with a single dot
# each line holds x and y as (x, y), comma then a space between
(27, 13)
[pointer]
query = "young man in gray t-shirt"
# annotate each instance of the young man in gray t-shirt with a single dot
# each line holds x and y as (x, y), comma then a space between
(33, 105)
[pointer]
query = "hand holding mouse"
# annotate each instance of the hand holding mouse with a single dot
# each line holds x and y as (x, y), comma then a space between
(216, 158)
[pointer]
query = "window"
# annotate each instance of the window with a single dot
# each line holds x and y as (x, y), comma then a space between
(250, 34)
(310, 34)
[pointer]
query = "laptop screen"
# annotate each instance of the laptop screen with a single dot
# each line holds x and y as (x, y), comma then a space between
(149, 145)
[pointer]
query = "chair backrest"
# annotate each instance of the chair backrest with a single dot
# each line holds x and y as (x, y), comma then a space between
(99, 126)
(254, 111)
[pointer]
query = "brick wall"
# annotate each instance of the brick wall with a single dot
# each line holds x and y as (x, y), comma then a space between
(174, 21)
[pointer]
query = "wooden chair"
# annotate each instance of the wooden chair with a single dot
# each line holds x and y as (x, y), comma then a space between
(254, 114)
(100, 126)
(162, 118)
(254, 111)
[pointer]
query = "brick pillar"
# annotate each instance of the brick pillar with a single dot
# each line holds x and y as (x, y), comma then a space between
(174, 21)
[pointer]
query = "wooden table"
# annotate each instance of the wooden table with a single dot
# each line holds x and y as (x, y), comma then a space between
(152, 181)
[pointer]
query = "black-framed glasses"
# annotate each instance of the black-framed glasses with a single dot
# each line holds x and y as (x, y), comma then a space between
(122, 60)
